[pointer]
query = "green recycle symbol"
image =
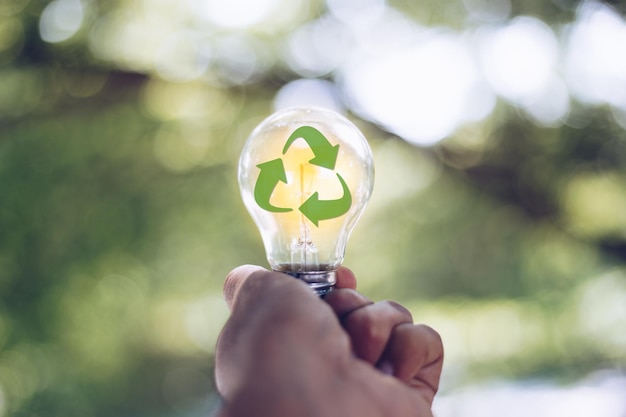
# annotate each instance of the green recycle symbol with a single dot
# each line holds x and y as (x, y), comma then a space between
(273, 172)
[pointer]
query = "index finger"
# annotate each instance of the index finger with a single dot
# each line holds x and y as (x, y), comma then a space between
(345, 278)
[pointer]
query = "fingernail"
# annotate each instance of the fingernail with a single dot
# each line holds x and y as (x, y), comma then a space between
(386, 368)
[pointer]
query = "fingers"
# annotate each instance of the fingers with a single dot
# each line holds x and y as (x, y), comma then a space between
(345, 278)
(343, 301)
(414, 355)
(370, 328)
(384, 335)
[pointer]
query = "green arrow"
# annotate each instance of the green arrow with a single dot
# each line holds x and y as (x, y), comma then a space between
(315, 209)
(271, 173)
(325, 153)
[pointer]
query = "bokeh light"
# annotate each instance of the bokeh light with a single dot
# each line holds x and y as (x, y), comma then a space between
(488, 10)
(421, 92)
(308, 92)
(596, 71)
(264, 15)
(519, 58)
(60, 20)
(520, 63)
(318, 48)
(183, 56)
(601, 397)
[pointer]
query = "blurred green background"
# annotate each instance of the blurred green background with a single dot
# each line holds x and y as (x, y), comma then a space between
(498, 215)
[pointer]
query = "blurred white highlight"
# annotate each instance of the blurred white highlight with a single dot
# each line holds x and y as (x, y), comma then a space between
(420, 92)
(595, 62)
(600, 396)
(311, 92)
(60, 20)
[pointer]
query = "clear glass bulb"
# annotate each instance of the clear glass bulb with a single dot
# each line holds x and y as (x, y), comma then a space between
(306, 174)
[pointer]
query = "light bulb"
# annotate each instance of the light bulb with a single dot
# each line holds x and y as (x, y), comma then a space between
(306, 174)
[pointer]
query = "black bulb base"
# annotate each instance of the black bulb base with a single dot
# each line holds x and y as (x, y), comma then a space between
(321, 282)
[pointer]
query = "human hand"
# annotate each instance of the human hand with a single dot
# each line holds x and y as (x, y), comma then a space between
(285, 352)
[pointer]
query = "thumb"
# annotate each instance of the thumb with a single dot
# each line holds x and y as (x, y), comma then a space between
(236, 279)
(248, 283)
(262, 303)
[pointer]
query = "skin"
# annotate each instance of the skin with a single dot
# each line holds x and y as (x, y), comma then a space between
(285, 352)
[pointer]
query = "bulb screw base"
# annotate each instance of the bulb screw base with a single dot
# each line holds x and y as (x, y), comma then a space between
(321, 282)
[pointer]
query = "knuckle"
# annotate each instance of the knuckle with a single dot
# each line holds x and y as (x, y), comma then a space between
(431, 334)
(345, 302)
(365, 323)
(406, 314)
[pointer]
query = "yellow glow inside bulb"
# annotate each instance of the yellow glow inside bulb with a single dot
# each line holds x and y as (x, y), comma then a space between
(305, 176)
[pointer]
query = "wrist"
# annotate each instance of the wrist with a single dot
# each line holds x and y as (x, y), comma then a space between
(293, 385)
(280, 394)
